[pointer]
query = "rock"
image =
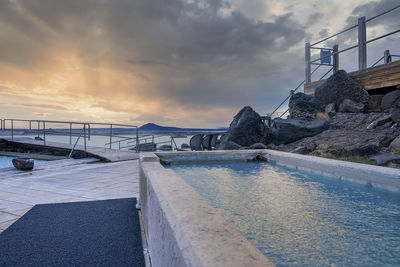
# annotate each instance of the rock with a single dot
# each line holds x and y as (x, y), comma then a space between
(230, 145)
(330, 109)
(389, 99)
(322, 116)
(350, 106)
(196, 142)
(78, 154)
(395, 146)
(375, 102)
(290, 130)
(38, 138)
(246, 129)
(300, 150)
(165, 148)
(341, 86)
(185, 146)
(305, 107)
(385, 158)
(348, 137)
(380, 121)
(258, 146)
(395, 111)
(23, 164)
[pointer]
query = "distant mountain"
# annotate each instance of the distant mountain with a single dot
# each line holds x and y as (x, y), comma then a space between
(155, 127)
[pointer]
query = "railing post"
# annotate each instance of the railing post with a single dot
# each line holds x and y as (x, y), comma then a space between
(308, 63)
(12, 130)
(137, 139)
(335, 59)
(110, 135)
(84, 135)
(44, 132)
(387, 57)
(362, 44)
(70, 133)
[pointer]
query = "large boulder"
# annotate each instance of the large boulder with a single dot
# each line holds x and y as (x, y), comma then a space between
(246, 129)
(290, 130)
(395, 111)
(305, 107)
(23, 164)
(341, 86)
(390, 99)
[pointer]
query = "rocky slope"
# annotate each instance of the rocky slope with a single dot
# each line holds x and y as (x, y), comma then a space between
(342, 120)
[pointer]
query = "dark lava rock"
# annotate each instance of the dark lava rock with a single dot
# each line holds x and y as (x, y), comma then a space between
(375, 103)
(389, 99)
(78, 154)
(23, 164)
(330, 109)
(341, 86)
(348, 136)
(383, 120)
(305, 107)
(395, 111)
(246, 129)
(287, 131)
(385, 158)
(196, 142)
(232, 146)
(301, 150)
(38, 138)
(185, 146)
(350, 106)
(258, 146)
(395, 146)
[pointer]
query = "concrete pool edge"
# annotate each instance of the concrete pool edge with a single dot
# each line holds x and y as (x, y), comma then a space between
(182, 229)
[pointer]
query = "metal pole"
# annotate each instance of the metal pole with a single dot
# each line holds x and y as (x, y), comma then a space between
(137, 140)
(84, 135)
(335, 59)
(44, 132)
(70, 133)
(172, 149)
(38, 129)
(12, 130)
(308, 63)
(362, 45)
(386, 57)
(110, 135)
(30, 125)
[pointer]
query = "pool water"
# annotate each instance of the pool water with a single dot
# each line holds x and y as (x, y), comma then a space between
(5, 162)
(298, 218)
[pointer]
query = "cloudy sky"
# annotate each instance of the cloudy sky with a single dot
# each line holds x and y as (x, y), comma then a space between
(191, 63)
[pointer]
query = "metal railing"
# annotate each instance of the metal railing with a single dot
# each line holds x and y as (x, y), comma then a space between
(361, 45)
(334, 53)
(39, 128)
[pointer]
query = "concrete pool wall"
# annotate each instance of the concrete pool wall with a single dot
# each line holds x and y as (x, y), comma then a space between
(182, 229)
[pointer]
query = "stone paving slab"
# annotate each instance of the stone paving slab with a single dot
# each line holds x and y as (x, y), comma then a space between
(64, 181)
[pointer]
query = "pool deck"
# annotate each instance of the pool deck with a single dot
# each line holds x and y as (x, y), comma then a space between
(69, 180)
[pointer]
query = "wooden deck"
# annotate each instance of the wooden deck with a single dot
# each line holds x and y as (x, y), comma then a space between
(372, 78)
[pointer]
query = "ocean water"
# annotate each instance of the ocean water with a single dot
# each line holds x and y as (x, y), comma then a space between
(300, 219)
(101, 141)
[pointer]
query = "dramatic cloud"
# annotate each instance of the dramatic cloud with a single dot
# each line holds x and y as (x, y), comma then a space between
(183, 62)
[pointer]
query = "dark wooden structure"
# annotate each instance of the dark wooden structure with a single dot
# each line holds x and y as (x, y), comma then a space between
(383, 76)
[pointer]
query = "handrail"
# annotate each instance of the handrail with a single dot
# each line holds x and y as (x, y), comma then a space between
(76, 142)
(42, 129)
(355, 26)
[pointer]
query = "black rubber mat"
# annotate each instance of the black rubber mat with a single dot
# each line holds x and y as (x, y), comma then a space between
(95, 233)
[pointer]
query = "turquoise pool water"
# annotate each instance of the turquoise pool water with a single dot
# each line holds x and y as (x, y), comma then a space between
(300, 219)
